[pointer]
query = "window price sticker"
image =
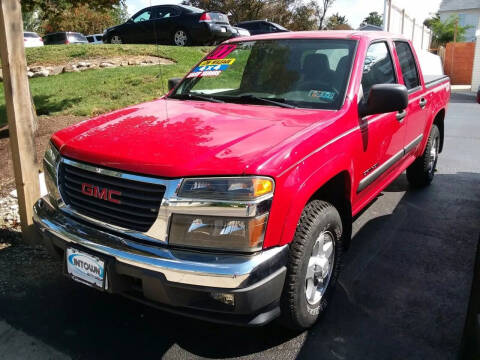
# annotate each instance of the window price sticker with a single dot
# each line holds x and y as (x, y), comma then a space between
(213, 67)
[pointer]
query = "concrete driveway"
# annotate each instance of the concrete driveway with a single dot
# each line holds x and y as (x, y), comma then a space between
(403, 293)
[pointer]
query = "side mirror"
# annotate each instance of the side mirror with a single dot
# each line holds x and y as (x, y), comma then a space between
(173, 82)
(384, 98)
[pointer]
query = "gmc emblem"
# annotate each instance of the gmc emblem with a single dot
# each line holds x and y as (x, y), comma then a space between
(102, 194)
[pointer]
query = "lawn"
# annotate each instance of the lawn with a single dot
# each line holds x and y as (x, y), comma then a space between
(97, 91)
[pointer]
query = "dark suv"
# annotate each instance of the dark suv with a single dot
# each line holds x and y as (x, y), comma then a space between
(256, 27)
(64, 38)
(172, 24)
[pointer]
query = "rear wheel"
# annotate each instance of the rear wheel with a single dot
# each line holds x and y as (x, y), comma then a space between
(116, 39)
(181, 38)
(422, 171)
(314, 265)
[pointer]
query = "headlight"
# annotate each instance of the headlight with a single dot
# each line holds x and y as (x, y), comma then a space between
(235, 188)
(221, 233)
(228, 213)
(50, 163)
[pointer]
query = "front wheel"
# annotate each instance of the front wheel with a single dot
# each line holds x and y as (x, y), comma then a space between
(422, 171)
(115, 39)
(313, 266)
(181, 38)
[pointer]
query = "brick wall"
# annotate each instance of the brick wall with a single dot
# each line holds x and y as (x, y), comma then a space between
(459, 62)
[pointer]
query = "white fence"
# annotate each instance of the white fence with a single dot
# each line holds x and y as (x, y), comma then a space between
(398, 22)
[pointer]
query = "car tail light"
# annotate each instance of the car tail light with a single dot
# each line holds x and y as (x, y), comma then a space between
(205, 17)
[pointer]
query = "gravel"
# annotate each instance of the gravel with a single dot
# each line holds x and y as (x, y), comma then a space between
(9, 217)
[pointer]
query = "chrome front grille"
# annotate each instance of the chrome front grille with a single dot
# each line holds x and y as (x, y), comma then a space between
(115, 200)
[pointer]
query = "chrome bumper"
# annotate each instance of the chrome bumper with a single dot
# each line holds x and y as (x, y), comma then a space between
(228, 271)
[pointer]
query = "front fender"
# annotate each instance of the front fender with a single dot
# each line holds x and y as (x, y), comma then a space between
(298, 187)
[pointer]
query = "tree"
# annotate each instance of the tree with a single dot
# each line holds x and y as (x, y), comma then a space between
(53, 12)
(373, 18)
(444, 32)
(338, 22)
(293, 14)
(321, 11)
(82, 19)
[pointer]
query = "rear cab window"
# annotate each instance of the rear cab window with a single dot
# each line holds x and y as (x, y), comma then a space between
(408, 65)
(378, 67)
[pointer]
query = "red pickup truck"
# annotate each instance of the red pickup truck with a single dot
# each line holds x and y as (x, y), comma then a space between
(231, 198)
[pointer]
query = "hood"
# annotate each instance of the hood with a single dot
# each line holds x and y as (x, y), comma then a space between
(175, 138)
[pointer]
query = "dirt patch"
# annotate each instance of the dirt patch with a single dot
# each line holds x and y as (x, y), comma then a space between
(47, 125)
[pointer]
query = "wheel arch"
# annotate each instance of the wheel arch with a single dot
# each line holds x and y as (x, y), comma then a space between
(336, 189)
(439, 120)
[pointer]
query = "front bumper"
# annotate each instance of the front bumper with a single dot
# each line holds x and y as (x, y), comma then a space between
(179, 281)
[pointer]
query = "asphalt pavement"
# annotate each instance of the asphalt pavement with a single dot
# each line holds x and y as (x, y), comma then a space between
(403, 293)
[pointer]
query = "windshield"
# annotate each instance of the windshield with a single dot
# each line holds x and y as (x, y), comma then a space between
(311, 73)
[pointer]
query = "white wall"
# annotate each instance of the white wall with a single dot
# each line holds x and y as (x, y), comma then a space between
(476, 63)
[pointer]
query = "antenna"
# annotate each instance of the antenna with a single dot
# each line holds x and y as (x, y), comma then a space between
(157, 48)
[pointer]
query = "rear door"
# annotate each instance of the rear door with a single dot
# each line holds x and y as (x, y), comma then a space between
(166, 21)
(382, 134)
(140, 29)
(416, 111)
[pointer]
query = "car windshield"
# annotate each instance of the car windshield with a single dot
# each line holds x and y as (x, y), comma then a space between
(310, 73)
(279, 26)
(193, 9)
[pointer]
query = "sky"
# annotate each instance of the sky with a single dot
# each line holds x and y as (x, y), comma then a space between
(354, 10)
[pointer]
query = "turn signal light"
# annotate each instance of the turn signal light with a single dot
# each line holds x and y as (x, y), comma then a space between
(262, 186)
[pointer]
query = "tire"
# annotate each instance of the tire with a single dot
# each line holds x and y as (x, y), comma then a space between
(116, 39)
(319, 224)
(422, 171)
(181, 37)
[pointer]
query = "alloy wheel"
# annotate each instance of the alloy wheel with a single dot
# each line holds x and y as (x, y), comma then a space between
(116, 40)
(180, 38)
(320, 267)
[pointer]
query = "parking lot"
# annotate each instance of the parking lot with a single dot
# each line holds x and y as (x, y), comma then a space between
(403, 293)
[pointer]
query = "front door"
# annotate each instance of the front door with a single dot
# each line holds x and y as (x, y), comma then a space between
(382, 134)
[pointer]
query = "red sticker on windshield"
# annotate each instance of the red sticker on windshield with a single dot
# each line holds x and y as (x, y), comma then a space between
(222, 51)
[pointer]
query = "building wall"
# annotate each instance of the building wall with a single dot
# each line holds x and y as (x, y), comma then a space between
(476, 64)
(465, 18)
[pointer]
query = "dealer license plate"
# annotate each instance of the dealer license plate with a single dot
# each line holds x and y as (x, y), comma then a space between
(86, 268)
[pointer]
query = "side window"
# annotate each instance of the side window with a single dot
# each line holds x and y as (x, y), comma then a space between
(407, 64)
(378, 67)
(144, 16)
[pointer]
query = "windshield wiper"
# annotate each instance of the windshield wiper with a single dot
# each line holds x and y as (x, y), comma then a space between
(190, 96)
(277, 101)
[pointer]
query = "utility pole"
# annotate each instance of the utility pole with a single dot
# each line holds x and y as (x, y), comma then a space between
(19, 112)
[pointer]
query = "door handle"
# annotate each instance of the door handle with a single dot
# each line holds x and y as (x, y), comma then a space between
(423, 103)
(401, 115)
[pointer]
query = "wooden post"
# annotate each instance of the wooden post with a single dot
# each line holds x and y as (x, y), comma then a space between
(389, 13)
(423, 35)
(413, 32)
(19, 112)
(403, 20)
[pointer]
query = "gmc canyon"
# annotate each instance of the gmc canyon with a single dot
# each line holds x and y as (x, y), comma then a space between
(231, 198)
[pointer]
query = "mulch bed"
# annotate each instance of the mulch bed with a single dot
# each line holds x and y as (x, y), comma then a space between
(47, 126)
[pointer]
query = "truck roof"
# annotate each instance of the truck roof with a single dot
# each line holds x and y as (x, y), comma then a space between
(331, 34)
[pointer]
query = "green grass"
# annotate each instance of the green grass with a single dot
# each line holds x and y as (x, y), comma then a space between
(97, 91)
(61, 54)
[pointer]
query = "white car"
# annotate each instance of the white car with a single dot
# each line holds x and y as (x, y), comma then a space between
(32, 39)
(95, 39)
